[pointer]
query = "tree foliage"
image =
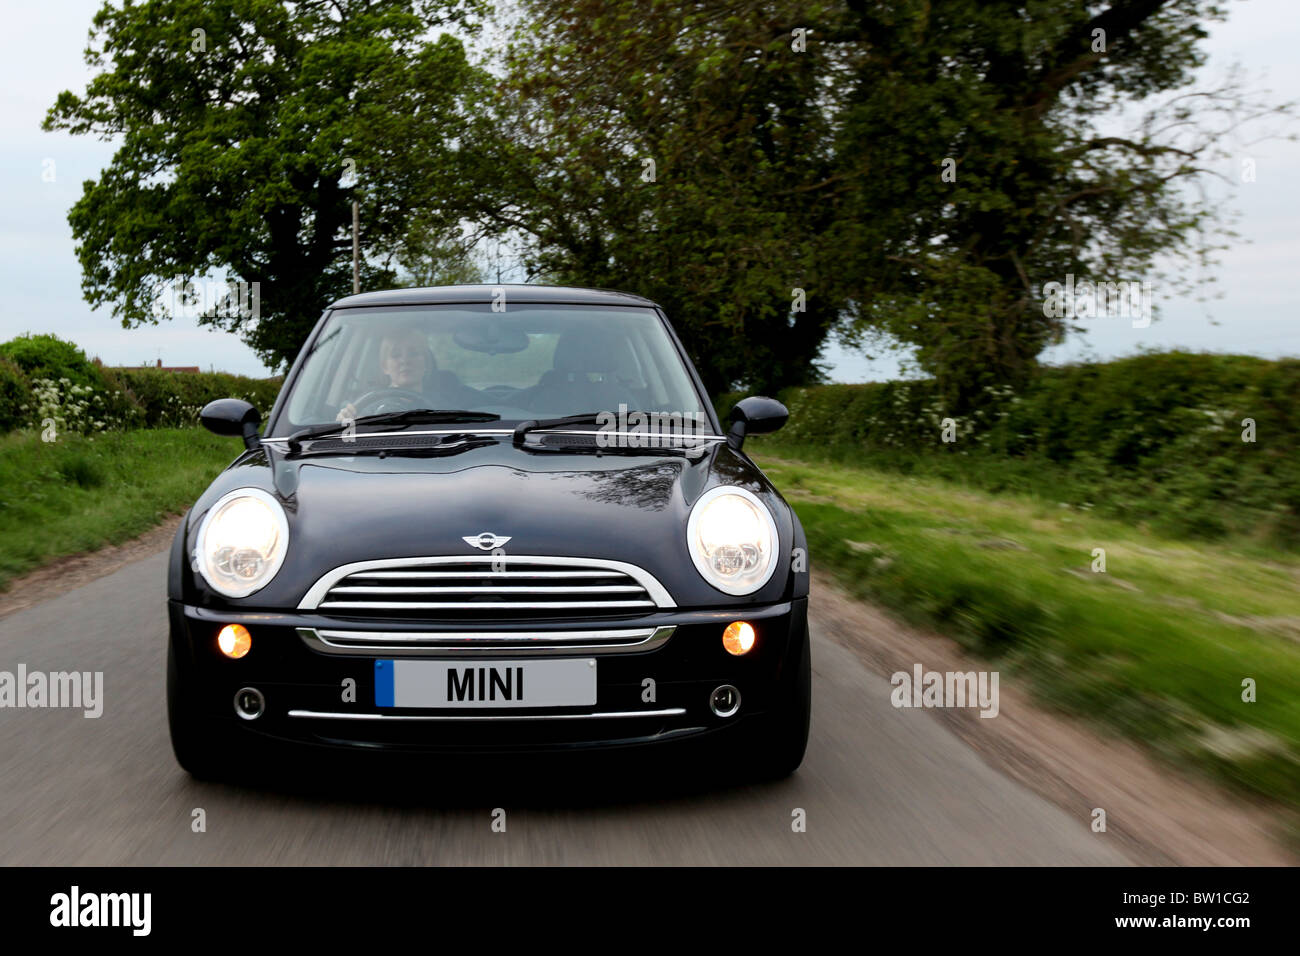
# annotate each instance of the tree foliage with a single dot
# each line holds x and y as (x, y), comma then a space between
(680, 151)
(247, 128)
(1022, 103)
(774, 173)
(820, 165)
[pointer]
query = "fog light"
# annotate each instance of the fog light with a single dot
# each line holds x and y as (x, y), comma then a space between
(249, 703)
(738, 638)
(724, 701)
(234, 640)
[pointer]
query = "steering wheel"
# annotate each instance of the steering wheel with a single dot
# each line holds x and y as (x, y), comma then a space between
(382, 400)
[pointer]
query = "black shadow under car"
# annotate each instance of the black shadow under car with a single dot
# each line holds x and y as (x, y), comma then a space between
(490, 520)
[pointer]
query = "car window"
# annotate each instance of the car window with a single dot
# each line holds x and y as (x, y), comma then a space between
(531, 361)
(479, 370)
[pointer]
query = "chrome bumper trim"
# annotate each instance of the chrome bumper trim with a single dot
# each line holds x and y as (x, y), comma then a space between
(605, 715)
(485, 643)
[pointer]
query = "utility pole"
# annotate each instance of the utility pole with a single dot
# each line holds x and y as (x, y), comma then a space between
(356, 248)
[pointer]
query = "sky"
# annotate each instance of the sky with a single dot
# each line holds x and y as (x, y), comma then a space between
(1258, 312)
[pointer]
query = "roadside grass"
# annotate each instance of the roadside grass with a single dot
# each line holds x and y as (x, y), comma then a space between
(81, 493)
(1156, 648)
(1195, 502)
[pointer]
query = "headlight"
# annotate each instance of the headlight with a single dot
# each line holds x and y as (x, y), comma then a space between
(732, 540)
(241, 542)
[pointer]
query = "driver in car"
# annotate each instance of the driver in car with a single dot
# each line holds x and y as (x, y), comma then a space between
(408, 364)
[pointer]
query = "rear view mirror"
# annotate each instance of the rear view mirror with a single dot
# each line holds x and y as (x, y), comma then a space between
(491, 338)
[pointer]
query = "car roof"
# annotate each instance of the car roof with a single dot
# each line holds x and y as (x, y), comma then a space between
(476, 294)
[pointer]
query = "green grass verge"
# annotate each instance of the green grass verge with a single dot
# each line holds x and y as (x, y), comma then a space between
(79, 494)
(1192, 445)
(1155, 648)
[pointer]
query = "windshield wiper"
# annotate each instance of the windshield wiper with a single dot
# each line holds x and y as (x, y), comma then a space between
(415, 416)
(585, 418)
(449, 446)
(690, 445)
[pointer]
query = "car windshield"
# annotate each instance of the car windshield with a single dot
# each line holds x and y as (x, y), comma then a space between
(530, 362)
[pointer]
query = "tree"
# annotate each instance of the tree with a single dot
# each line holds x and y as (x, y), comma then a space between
(681, 152)
(247, 129)
(1020, 104)
(806, 146)
(431, 254)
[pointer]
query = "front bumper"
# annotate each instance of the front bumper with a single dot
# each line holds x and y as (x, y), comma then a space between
(318, 693)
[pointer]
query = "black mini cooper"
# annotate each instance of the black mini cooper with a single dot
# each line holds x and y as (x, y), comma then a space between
(490, 519)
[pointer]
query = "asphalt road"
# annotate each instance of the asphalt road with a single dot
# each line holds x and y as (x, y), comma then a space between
(878, 786)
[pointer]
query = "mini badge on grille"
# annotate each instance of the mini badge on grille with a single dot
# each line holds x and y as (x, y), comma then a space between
(487, 541)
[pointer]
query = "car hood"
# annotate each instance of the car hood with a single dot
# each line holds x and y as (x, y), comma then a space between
(632, 508)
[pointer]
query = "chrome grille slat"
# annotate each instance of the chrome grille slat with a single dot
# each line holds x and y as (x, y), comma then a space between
(453, 638)
(397, 589)
(483, 643)
(389, 575)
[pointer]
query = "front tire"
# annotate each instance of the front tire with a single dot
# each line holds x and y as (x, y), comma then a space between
(198, 743)
(779, 749)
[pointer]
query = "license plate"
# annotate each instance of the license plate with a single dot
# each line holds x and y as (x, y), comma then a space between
(486, 684)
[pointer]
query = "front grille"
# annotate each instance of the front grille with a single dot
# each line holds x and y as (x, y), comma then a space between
(471, 589)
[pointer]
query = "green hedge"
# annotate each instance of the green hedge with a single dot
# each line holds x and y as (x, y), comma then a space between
(15, 395)
(172, 399)
(1155, 438)
(44, 377)
(48, 356)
